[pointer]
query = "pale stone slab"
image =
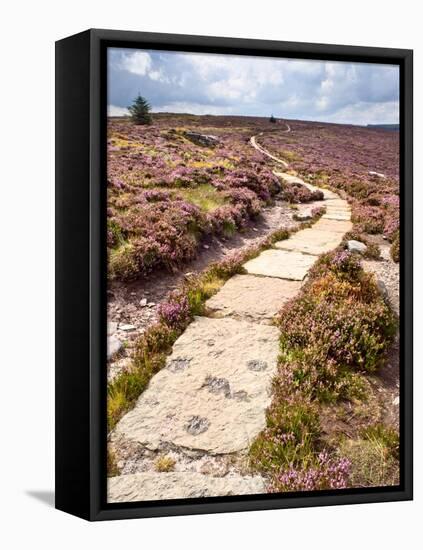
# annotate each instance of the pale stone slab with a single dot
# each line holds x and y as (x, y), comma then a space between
(338, 226)
(213, 393)
(280, 263)
(289, 178)
(250, 297)
(159, 486)
(332, 203)
(311, 241)
(338, 209)
(328, 195)
(342, 216)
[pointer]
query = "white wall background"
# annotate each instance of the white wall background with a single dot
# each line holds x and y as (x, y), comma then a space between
(28, 32)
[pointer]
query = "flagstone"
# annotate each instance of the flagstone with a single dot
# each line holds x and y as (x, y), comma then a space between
(147, 486)
(281, 263)
(311, 241)
(213, 393)
(250, 297)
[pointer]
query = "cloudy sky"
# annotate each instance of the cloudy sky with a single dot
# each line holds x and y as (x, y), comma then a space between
(240, 85)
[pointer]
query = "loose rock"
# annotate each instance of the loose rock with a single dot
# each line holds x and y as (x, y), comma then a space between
(205, 140)
(356, 246)
(127, 328)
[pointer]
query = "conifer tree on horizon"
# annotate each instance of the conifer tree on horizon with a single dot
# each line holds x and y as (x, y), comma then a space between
(140, 111)
(272, 119)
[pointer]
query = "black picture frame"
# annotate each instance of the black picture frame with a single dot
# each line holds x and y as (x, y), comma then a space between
(81, 272)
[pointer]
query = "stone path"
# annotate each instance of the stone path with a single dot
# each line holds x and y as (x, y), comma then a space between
(210, 399)
(253, 142)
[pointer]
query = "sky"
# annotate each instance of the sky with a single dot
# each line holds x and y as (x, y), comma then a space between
(350, 93)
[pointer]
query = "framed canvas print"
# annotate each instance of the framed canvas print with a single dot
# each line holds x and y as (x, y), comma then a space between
(234, 274)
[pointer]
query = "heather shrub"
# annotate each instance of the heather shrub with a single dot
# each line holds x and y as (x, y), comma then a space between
(160, 234)
(122, 262)
(289, 438)
(327, 473)
(370, 217)
(248, 199)
(372, 251)
(317, 212)
(295, 194)
(225, 219)
(175, 312)
(316, 376)
(339, 324)
(342, 263)
(258, 179)
(114, 234)
(395, 248)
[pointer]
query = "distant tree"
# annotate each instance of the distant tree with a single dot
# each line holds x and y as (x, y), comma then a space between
(140, 111)
(272, 119)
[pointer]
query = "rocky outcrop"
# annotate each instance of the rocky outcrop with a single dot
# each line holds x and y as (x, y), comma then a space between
(204, 140)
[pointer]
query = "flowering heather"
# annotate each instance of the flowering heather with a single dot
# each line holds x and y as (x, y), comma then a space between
(300, 194)
(175, 312)
(344, 156)
(339, 321)
(337, 329)
(328, 473)
(165, 192)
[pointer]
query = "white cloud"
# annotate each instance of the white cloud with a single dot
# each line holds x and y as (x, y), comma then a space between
(193, 108)
(245, 85)
(137, 62)
(113, 110)
(366, 113)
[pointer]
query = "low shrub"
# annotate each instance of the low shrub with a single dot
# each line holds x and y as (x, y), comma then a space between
(370, 217)
(326, 473)
(395, 248)
(335, 330)
(296, 194)
(339, 317)
(372, 251)
(289, 438)
(175, 312)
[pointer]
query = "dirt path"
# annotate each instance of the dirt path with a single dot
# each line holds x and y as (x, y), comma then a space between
(202, 411)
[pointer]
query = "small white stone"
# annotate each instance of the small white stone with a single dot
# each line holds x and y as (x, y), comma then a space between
(127, 328)
(377, 174)
(396, 401)
(143, 302)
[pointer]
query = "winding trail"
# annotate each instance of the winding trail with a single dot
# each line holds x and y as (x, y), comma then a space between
(253, 142)
(204, 409)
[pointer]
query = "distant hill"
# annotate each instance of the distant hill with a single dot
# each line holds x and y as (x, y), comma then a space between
(392, 127)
